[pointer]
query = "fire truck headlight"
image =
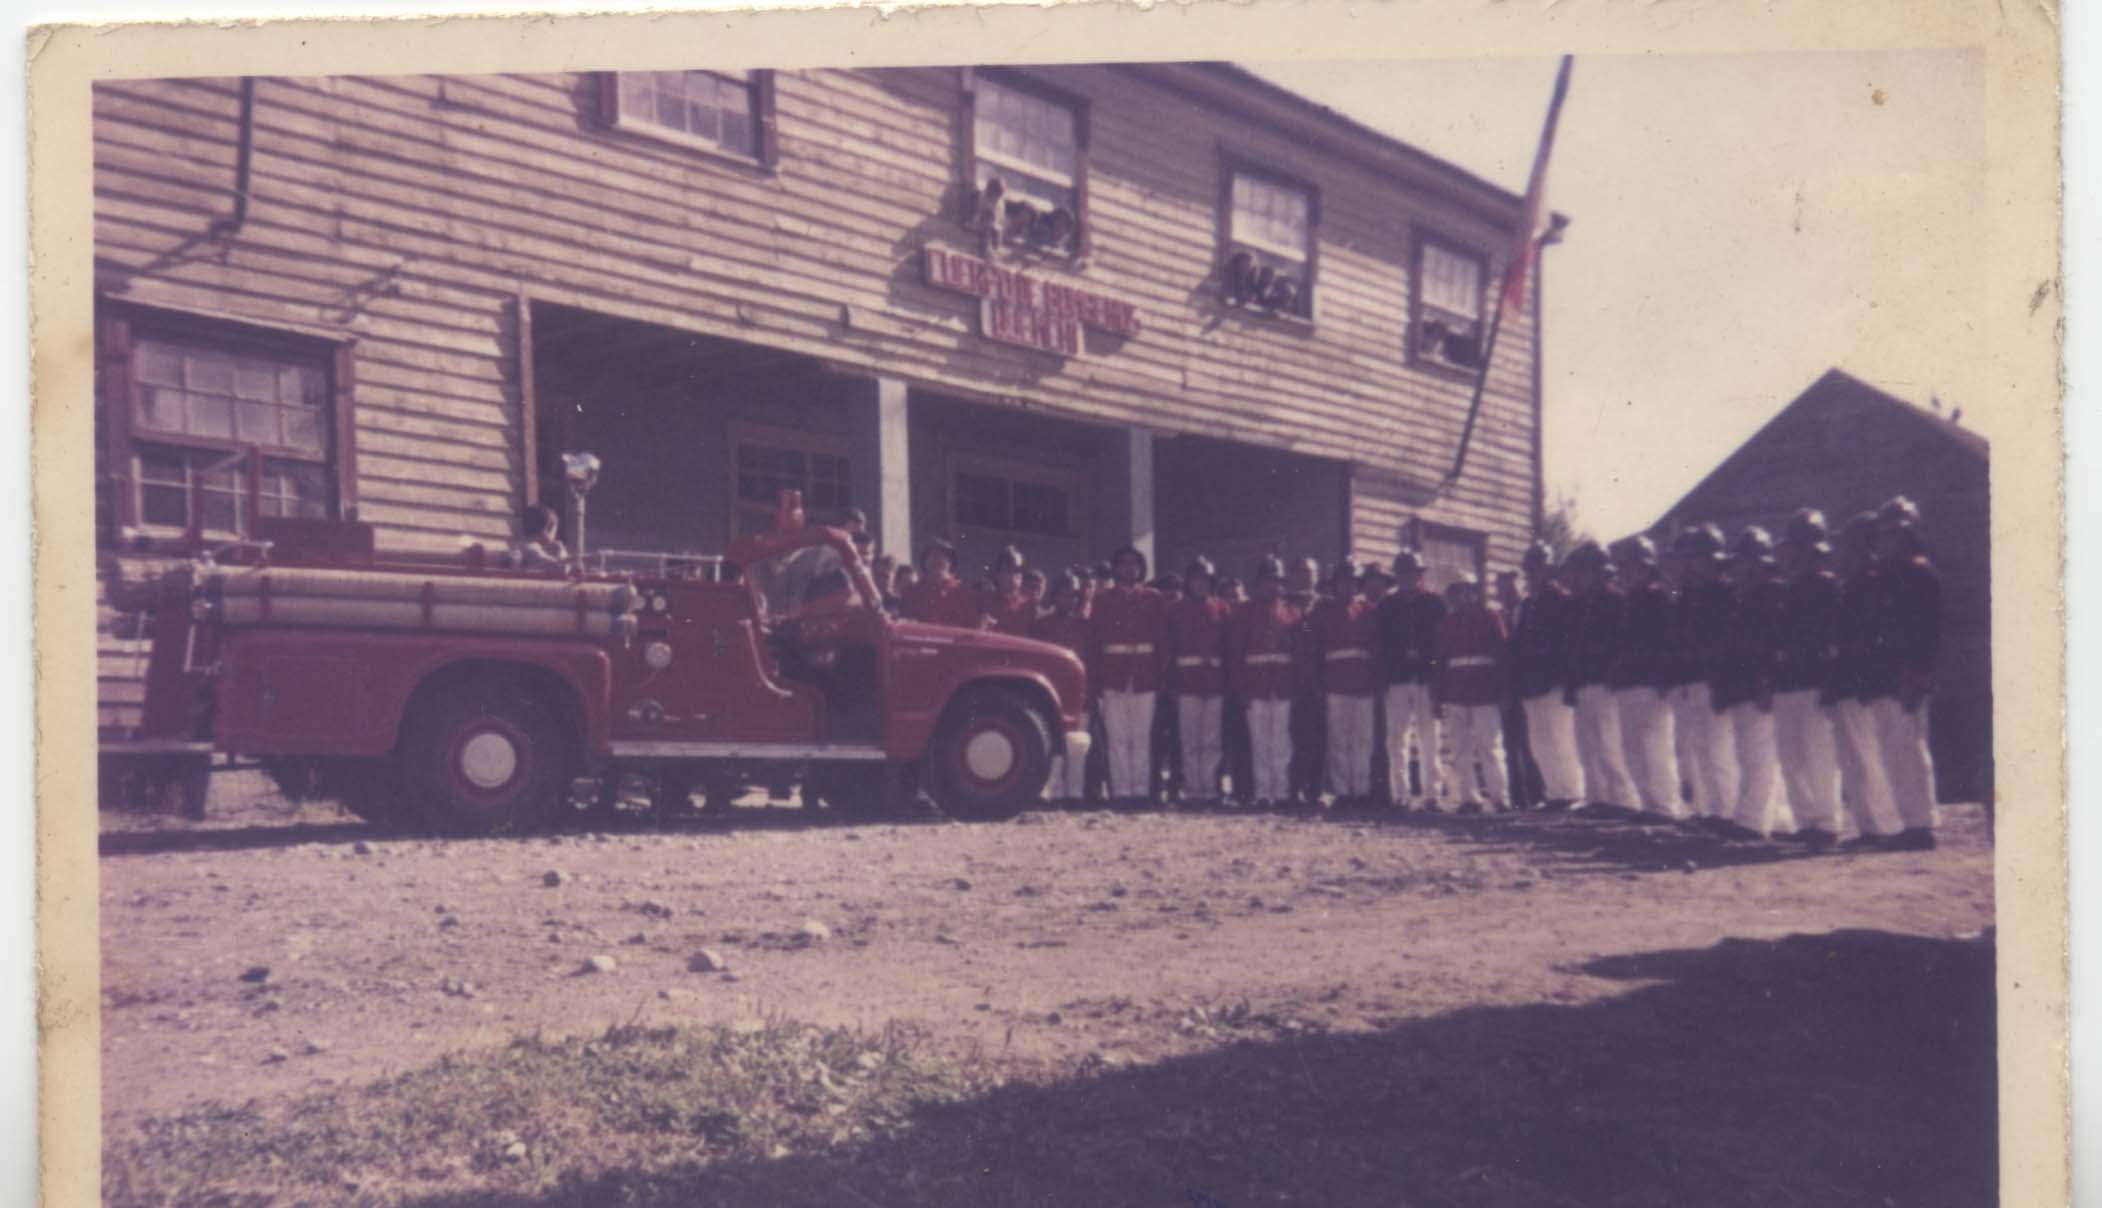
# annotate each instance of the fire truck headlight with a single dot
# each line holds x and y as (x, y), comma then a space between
(657, 655)
(660, 603)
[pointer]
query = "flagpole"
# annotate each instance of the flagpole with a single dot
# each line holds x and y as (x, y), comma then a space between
(1481, 383)
(1535, 224)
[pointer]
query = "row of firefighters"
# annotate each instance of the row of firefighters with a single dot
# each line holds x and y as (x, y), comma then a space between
(1750, 686)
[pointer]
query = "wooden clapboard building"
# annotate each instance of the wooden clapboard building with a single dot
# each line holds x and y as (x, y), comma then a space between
(1845, 447)
(1061, 307)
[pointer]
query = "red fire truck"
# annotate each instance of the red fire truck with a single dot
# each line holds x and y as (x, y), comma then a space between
(469, 698)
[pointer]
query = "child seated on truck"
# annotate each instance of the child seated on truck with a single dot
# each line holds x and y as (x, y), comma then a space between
(538, 548)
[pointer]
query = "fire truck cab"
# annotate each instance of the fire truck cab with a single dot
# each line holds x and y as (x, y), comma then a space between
(468, 698)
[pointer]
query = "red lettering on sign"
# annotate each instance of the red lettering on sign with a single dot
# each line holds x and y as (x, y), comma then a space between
(1020, 309)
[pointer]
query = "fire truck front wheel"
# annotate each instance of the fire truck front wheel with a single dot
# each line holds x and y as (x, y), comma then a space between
(990, 758)
(486, 756)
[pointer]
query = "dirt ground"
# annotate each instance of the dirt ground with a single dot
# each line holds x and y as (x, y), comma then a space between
(275, 951)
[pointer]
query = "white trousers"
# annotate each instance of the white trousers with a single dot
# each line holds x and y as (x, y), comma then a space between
(1270, 743)
(1068, 780)
(1411, 716)
(1648, 734)
(1809, 751)
(1600, 748)
(1760, 806)
(1199, 718)
(1550, 728)
(1476, 734)
(1350, 745)
(1864, 781)
(1708, 756)
(1906, 760)
(1128, 717)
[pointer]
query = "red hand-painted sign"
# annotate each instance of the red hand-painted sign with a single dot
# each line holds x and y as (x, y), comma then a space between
(1016, 308)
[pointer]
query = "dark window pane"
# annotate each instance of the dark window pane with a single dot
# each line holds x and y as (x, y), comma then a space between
(166, 505)
(1039, 508)
(982, 501)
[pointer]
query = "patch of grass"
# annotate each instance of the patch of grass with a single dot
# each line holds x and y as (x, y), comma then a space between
(519, 1120)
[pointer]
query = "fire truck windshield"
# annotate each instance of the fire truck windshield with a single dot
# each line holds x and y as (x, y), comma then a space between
(813, 578)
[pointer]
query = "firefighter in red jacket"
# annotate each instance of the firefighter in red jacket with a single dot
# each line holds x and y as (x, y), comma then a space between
(1260, 651)
(1007, 608)
(938, 597)
(1128, 639)
(1194, 652)
(1346, 636)
(1067, 625)
(1471, 678)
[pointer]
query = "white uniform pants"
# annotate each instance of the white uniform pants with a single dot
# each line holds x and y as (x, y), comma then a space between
(1410, 715)
(1068, 780)
(1759, 802)
(1476, 733)
(1350, 745)
(1200, 718)
(1600, 749)
(1550, 728)
(1128, 717)
(1708, 756)
(1906, 760)
(1648, 734)
(1809, 759)
(1270, 742)
(1864, 781)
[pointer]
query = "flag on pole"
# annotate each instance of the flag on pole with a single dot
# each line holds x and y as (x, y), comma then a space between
(1537, 219)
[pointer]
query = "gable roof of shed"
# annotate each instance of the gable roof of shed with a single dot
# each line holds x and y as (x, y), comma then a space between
(1834, 388)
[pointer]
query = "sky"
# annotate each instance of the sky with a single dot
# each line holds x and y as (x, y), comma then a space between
(1738, 224)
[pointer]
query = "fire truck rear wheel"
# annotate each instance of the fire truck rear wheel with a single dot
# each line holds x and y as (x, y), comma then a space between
(990, 758)
(487, 756)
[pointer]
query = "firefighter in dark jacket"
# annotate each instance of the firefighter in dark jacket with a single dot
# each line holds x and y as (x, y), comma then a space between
(1864, 781)
(1638, 678)
(1708, 759)
(1600, 625)
(1542, 677)
(1524, 776)
(1807, 645)
(1309, 708)
(1408, 626)
(1742, 682)
(1905, 641)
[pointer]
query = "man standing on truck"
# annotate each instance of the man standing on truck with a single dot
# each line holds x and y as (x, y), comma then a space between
(1127, 623)
(1067, 625)
(1195, 655)
(1408, 626)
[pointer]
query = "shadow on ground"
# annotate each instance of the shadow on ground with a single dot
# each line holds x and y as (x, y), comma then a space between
(1853, 1068)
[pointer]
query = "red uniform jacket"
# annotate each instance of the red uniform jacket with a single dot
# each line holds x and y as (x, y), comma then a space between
(942, 602)
(1195, 645)
(1075, 633)
(1347, 638)
(1015, 614)
(1260, 650)
(1128, 638)
(1472, 658)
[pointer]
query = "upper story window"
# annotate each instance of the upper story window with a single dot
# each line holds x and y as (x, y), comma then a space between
(1028, 167)
(727, 112)
(1450, 288)
(205, 418)
(1270, 243)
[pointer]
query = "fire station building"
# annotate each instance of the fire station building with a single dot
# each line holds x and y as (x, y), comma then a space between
(1063, 308)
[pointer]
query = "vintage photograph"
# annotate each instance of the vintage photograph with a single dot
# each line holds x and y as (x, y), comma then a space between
(1208, 631)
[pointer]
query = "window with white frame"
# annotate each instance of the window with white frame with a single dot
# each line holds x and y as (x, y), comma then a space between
(722, 111)
(203, 416)
(1026, 155)
(1270, 240)
(1449, 305)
